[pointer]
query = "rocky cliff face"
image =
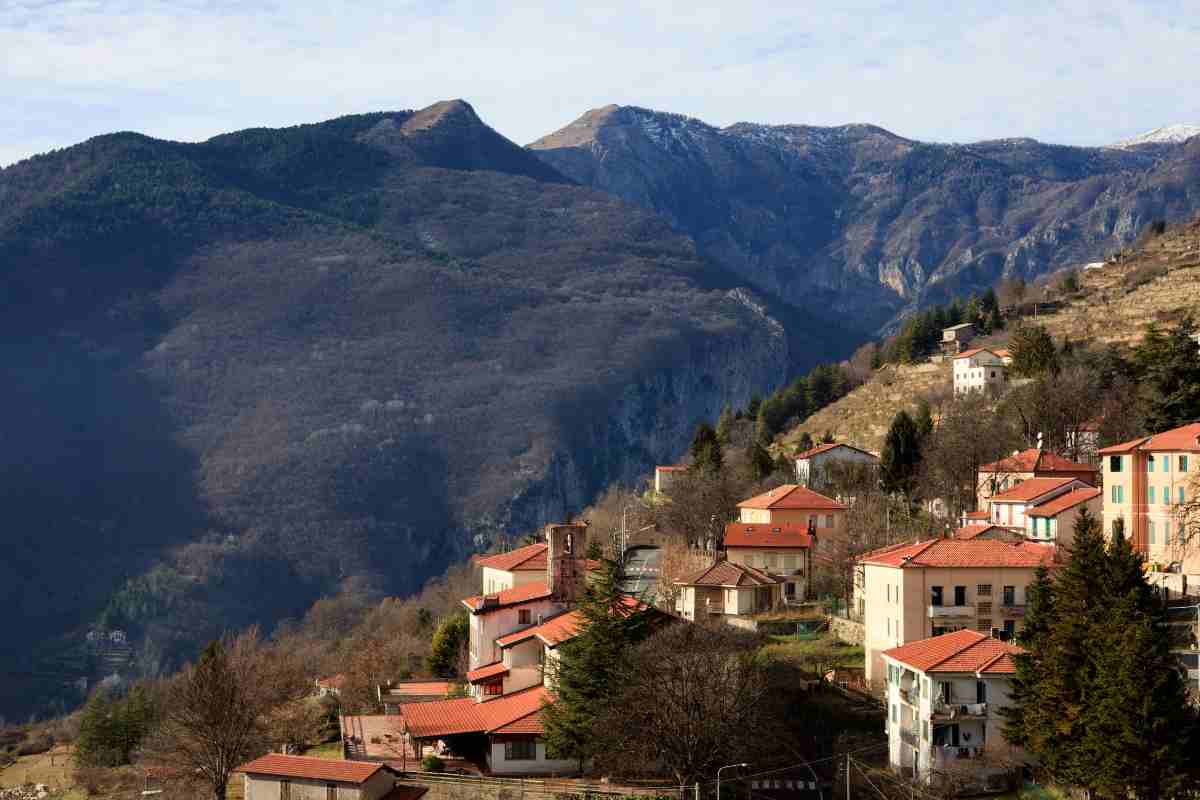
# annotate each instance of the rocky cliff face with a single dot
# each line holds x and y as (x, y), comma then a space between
(857, 219)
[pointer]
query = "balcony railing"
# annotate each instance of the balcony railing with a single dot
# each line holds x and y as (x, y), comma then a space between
(951, 611)
(951, 710)
(944, 754)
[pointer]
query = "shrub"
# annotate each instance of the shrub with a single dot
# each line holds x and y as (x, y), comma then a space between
(32, 747)
(1143, 275)
(433, 764)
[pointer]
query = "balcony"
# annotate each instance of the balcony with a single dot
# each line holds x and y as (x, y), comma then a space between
(944, 711)
(1012, 610)
(951, 612)
(946, 755)
(714, 608)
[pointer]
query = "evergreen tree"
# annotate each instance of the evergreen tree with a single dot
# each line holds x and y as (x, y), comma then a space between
(806, 442)
(759, 460)
(1033, 351)
(828, 438)
(448, 641)
(725, 425)
(995, 320)
(924, 420)
(987, 303)
(1170, 375)
(589, 666)
(98, 744)
(752, 406)
(971, 312)
(901, 455)
(707, 455)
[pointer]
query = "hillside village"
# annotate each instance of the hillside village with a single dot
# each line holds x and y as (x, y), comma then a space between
(891, 561)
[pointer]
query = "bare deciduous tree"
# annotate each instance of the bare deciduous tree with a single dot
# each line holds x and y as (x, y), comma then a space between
(218, 711)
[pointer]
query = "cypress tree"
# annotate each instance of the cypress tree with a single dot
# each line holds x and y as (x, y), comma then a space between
(725, 425)
(585, 676)
(901, 455)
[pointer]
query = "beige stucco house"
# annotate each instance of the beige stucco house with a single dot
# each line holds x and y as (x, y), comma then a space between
(1147, 482)
(979, 370)
(1044, 508)
(945, 695)
(279, 777)
(782, 551)
(517, 567)
(727, 589)
(916, 590)
(792, 504)
(813, 466)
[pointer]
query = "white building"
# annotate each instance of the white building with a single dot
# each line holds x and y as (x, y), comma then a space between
(979, 370)
(280, 777)
(813, 466)
(944, 697)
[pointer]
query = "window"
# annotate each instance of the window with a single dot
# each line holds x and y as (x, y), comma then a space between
(331, 791)
(1010, 595)
(1150, 464)
(520, 750)
(1166, 495)
(524, 616)
(772, 561)
(984, 608)
(984, 625)
(1149, 494)
(1183, 465)
(889, 593)
(1114, 463)
(1010, 627)
(1150, 531)
(935, 595)
(894, 715)
(1118, 494)
(984, 590)
(960, 595)
(493, 689)
(980, 692)
(828, 520)
(1167, 532)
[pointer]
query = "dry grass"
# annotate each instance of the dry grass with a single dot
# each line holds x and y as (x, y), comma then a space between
(52, 768)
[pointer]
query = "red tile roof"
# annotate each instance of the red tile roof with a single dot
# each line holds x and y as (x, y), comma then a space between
(563, 627)
(465, 715)
(976, 515)
(975, 351)
(332, 682)
(1054, 507)
(961, 553)
(1034, 460)
(1185, 439)
(530, 558)
(1031, 489)
(791, 496)
(969, 532)
(488, 671)
(823, 448)
(964, 651)
(765, 534)
(517, 595)
(419, 688)
(318, 769)
(671, 468)
(726, 573)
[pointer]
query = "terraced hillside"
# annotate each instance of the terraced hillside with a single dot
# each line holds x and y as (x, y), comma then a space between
(1157, 280)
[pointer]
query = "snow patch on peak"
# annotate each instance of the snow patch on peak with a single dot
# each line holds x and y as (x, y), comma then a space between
(1169, 134)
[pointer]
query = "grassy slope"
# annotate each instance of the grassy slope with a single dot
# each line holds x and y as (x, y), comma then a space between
(1104, 310)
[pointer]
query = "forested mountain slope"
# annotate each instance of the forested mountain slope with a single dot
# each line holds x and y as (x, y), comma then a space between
(870, 224)
(244, 372)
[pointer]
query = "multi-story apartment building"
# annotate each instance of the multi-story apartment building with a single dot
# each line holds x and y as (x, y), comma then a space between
(1147, 483)
(1000, 476)
(920, 589)
(944, 697)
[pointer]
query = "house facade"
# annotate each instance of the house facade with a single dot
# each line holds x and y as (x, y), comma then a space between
(979, 370)
(956, 338)
(515, 568)
(782, 551)
(1033, 506)
(944, 696)
(918, 590)
(792, 504)
(1000, 476)
(1147, 483)
(813, 466)
(665, 475)
(727, 589)
(279, 777)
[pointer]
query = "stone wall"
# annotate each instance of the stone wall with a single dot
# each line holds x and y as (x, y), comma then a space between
(847, 630)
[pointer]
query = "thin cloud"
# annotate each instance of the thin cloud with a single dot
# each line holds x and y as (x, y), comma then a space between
(1070, 72)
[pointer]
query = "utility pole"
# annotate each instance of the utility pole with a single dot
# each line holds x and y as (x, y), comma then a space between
(847, 776)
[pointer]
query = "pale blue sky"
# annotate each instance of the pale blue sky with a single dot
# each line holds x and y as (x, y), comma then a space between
(1070, 72)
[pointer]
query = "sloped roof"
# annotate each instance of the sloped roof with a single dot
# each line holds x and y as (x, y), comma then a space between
(976, 515)
(466, 715)
(726, 573)
(791, 496)
(530, 558)
(418, 688)
(825, 448)
(964, 651)
(1035, 460)
(492, 670)
(1185, 438)
(968, 532)
(1052, 508)
(975, 351)
(1031, 489)
(517, 595)
(319, 769)
(671, 468)
(562, 627)
(766, 534)
(961, 553)
(332, 682)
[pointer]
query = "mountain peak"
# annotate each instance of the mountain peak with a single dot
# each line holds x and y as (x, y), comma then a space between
(452, 111)
(1168, 134)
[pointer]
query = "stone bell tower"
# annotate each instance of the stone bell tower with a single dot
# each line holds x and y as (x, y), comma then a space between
(566, 562)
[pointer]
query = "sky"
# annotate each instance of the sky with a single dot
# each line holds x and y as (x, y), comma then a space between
(1085, 72)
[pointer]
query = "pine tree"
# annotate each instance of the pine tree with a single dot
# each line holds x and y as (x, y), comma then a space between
(1033, 351)
(1170, 375)
(924, 420)
(585, 676)
(706, 450)
(806, 442)
(901, 455)
(759, 460)
(99, 739)
(725, 425)
(448, 640)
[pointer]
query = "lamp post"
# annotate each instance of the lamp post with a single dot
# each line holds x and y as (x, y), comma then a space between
(727, 766)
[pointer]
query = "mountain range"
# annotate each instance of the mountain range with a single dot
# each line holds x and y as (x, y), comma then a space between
(250, 371)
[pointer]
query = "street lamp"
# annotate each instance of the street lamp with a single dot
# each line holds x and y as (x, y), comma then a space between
(727, 766)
